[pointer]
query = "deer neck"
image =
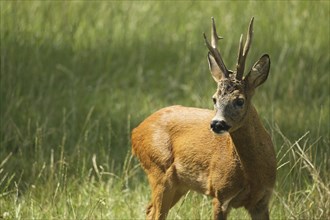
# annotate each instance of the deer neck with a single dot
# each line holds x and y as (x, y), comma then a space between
(251, 139)
(255, 150)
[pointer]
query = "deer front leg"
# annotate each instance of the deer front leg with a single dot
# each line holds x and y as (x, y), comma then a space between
(260, 210)
(219, 211)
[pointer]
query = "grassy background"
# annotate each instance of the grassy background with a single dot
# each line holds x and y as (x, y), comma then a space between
(76, 77)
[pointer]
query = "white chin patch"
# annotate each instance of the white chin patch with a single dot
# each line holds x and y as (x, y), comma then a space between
(220, 132)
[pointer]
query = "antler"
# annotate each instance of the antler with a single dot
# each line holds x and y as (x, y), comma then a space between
(213, 49)
(242, 53)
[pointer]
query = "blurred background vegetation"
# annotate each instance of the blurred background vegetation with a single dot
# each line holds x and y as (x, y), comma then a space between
(76, 77)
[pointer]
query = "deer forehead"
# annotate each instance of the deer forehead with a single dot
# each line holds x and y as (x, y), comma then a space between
(230, 86)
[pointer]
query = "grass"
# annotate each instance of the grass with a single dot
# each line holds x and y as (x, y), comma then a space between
(76, 77)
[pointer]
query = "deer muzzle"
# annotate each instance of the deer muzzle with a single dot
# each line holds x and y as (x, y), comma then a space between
(219, 126)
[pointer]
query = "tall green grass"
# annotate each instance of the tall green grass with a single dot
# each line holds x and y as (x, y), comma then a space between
(76, 77)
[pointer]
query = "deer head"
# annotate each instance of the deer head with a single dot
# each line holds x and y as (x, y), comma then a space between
(232, 99)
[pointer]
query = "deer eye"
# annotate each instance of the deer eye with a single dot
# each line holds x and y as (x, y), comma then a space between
(239, 102)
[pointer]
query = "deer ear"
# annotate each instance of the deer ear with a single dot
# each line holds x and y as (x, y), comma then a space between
(216, 72)
(259, 72)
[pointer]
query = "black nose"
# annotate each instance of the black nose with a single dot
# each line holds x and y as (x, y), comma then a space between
(219, 126)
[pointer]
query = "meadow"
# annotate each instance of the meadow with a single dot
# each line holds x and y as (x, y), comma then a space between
(77, 77)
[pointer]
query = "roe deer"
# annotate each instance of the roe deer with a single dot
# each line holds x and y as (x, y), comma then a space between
(226, 154)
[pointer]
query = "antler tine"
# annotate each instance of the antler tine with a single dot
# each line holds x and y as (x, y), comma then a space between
(240, 57)
(213, 48)
(242, 53)
(249, 37)
(215, 37)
